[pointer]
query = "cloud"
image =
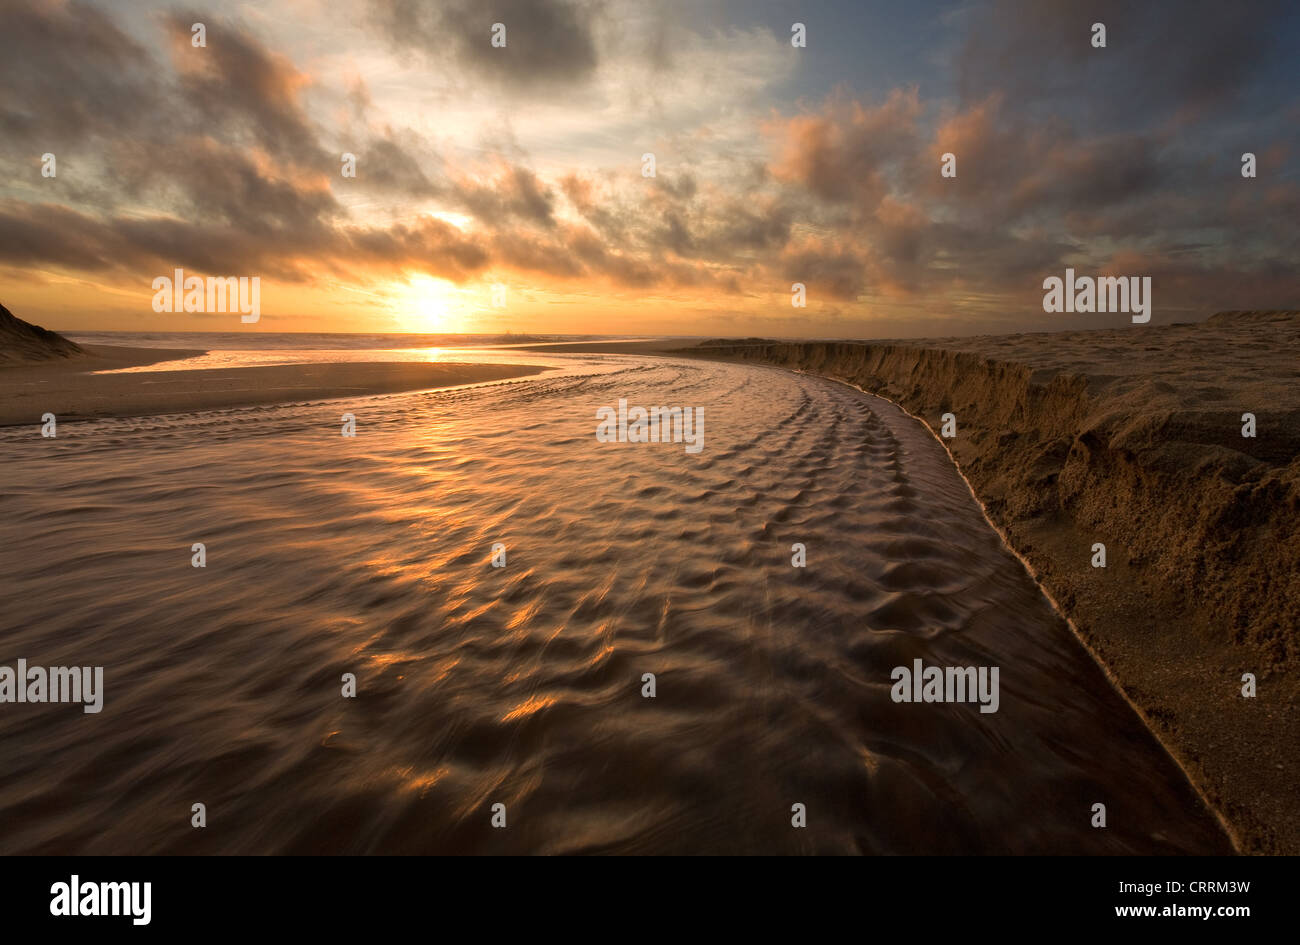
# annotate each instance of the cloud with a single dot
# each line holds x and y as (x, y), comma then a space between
(548, 42)
(826, 269)
(515, 193)
(69, 72)
(239, 86)
(222, 160)
(1161, 60)
(843, 152)
(386, 166)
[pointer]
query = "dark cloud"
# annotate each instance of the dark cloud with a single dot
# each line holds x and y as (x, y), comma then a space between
(825, 271)
(762, 223)
(514, 194)
(386, 166)
(68, 72)
(430, 245)
(1162, 60)
(548, 42)
(225, 186)
(672, 234)
(36, 234)
(248, 92)
(678, 186)
(45, 234)
(531, 253)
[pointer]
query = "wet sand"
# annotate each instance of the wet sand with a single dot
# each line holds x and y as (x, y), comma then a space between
(1133, 438)
(652, 346)
(69, 388)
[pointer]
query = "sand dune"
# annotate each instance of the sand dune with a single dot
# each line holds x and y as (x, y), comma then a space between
(1133, 438)
(22, 342)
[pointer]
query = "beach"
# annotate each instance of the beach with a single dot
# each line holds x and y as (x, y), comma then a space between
(70, 388)
(501, 583)
(1132, 438)
(1065, 440)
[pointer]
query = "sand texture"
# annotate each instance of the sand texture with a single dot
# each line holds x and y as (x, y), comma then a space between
(1133, 438)
(327, 553)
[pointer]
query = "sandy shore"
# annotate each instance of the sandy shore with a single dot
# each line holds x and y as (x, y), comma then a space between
(70, 390)
(665, 346)
(1133, 438)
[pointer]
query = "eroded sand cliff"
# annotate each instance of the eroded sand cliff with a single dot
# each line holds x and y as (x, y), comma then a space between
(1133, 438)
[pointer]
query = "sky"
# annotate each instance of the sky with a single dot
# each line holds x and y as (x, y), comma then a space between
(522, 166)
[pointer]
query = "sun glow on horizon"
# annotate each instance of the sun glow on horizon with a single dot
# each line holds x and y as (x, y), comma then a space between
(426, 304)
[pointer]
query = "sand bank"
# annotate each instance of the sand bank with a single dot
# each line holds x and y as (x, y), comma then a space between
(1133, 438)
(68, 388)
(22, 342)
(653, 346)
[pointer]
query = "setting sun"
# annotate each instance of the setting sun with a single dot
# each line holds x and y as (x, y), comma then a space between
(426, 304)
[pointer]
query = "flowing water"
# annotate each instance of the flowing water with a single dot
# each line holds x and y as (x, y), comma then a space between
(522, 685)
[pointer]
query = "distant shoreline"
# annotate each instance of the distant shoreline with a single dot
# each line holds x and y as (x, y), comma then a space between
(69, 388)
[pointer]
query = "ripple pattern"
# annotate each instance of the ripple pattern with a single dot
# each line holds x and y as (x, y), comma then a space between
(522, 685)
